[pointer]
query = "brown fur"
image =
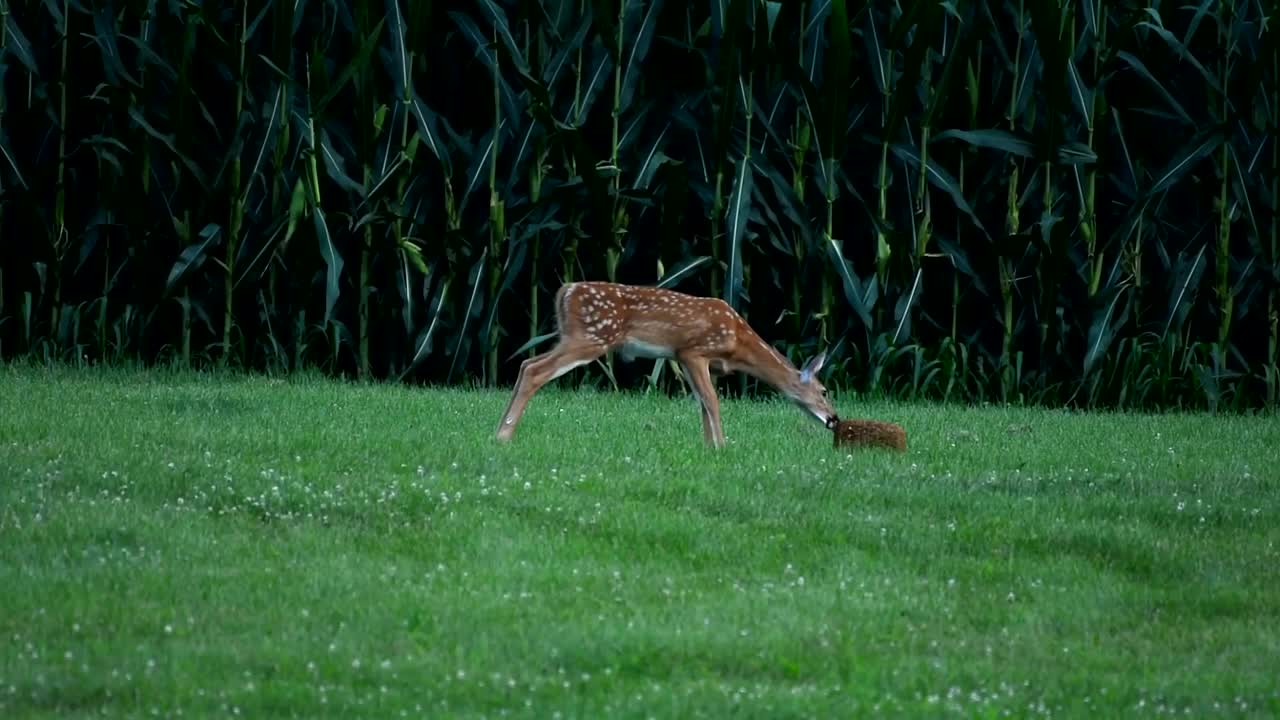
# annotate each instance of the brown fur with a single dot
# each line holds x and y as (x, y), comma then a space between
(870, 433)
(704, 335)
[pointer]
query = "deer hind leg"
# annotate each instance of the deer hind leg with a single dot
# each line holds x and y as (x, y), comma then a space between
(538, 371)
(699, 374)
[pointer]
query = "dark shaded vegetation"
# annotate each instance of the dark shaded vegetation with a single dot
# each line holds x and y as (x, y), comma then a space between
(1059, 202)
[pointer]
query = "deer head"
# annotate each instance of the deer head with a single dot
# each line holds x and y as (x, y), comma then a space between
(809, 393)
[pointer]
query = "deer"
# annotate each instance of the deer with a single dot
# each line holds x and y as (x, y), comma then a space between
(705, 335)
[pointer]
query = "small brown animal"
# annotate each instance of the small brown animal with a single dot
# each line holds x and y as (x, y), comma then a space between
(870, 433)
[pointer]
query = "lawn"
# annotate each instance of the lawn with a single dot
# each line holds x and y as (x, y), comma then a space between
(184, 545)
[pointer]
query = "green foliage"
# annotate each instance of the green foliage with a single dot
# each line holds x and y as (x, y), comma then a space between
(1054, 202)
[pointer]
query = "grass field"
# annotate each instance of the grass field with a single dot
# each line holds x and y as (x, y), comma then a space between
(179, 545)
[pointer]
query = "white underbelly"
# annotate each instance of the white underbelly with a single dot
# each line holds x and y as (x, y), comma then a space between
(632, 349)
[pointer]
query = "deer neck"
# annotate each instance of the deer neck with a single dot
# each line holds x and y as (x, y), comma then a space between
(759, 359)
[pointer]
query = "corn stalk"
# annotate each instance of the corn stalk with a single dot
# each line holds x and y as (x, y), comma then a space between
(832, 143)
(1226, 298)
(183, 128)
(1013, 224)
(328, 246)
(1273, 296)
(613, 250)
(1088, 217)
(235, 221)
(801, 137)
(973, 66)
(368, 128)
(4, 105)
(61, 237)
(578, 114)
(882, 73)
(497, 219)
(536, 176)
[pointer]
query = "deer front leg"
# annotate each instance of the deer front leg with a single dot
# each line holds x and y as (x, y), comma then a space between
(538, 371)
(708, 427)
(708, 431)
(700, 377)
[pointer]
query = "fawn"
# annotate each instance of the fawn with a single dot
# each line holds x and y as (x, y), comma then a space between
(705, 335)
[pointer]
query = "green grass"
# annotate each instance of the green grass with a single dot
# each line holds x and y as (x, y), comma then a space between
(177, 543)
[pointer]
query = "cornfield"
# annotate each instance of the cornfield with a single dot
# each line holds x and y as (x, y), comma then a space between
(1024, 201)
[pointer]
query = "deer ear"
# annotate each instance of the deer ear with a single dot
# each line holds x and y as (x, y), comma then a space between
(812, 367)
